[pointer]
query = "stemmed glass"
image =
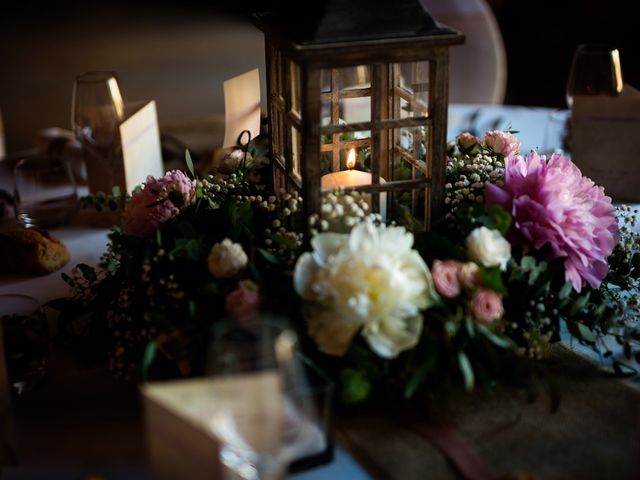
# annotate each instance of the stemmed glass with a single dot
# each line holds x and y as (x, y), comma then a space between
(96, 114)
(595, 70)
(263, 412)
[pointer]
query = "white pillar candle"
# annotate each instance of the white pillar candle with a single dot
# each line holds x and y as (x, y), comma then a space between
(354, 178)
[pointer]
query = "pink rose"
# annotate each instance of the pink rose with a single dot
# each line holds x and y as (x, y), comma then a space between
(469, 276)
(502, 143)
(243, 302)
(151, 206)
(486, 306)
(445, 277)
(467, 141)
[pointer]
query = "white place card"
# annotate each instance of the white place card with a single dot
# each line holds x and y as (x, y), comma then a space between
(604, 138)
(241, 106)
(141, 150)
(186, 419)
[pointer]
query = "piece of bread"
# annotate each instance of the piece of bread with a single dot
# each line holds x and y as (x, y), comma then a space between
(30, 251)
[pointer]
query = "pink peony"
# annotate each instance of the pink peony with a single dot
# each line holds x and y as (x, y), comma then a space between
(502, 143)
(144, 213)
(243, 302)
(486, 306)
(445, 277)
(467, 141)
(553, 204)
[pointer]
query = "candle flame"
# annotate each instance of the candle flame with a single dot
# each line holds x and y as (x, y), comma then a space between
(351, 159)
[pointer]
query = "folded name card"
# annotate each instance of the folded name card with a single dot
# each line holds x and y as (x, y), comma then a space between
(185, 421)
(241, 107)
(604, 142)
(141, 152)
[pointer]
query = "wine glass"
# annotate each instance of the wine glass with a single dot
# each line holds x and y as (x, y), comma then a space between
(45, 191)
(96, 114)
(262, 408)
(595, 70)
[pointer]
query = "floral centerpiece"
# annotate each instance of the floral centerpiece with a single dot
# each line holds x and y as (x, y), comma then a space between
(527, 248)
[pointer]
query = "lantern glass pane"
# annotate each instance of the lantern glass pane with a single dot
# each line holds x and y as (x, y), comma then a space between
(413, 140)
(296, 150)
(409, 84)
(408, 153)
(276, 136)
(334, 157)
(407, 204)
(296, 88)
(346, 95)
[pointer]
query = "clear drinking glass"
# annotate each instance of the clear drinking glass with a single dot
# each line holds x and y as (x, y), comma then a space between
(263, 412)
(595, 70)
(45, 191)
(96, 114)
(25, 342)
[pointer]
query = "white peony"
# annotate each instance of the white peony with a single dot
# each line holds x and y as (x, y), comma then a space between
(226, 259)
(369, 280)
(488, 247)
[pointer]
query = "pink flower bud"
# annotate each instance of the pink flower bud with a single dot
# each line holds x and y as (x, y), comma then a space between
(445, 277)
(467, 141)
(486, 306)
(502, 143)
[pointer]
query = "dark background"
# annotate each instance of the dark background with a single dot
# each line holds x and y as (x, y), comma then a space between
(539, 36)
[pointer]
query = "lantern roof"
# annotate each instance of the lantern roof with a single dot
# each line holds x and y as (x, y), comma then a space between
(323, 22)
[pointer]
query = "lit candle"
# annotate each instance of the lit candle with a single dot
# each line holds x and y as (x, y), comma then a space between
(353, 178)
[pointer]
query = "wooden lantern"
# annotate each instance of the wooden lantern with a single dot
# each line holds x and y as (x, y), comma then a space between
(368, 77)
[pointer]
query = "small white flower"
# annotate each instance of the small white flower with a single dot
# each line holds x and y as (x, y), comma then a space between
(488, 247)
(226, 259)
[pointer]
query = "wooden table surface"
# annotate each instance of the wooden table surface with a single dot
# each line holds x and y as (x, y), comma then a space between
(83, 417)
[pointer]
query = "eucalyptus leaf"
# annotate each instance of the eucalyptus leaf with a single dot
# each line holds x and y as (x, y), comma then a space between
(419, 374)
(565, 291)
(149, 356)
(497, 340)
(189, 162)
(586, 333)
(580, 303)
(268, 256)
(466, 370)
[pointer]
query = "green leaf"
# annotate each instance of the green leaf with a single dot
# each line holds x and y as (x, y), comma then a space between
(470, 326)
(268, 256)
(67, 279)
(528, 263)
(586, 333)
(565, 291)
(115, 191)
(355, 386)
(88, 272)
(492, 279)
(497, 340)
(149, 356)
(420, 373)
(189, 162)
(580, 303)
(159, 238)
(466, 370)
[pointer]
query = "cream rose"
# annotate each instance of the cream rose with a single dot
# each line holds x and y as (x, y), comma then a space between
(488, 247)
(226, 259)
(371, 281)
